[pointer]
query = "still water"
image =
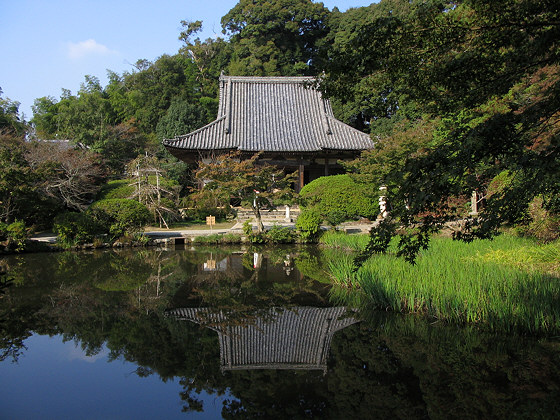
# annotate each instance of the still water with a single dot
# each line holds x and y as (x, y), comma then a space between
(244, 333)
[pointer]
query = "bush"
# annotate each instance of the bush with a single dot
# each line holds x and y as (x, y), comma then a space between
(121, 216)
(308, 224)
(15, 235)
(120, 188)
(544, 225)
(280, 235)
(76, 228)
(339, 198)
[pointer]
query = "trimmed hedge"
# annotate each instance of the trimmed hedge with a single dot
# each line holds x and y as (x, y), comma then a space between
(308, 224)
(120, 188)
(338, 198)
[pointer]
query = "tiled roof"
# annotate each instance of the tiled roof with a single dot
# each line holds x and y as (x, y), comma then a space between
(272, 114)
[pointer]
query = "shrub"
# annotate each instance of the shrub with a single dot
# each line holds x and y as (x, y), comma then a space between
(247, 227)
(121, 216)
(308, 224)
(76, 228)
(15, 235)
(280, 235)
(338, 198)
(544, 224)
(120, 188)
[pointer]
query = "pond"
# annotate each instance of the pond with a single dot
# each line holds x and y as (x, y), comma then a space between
(244, 333)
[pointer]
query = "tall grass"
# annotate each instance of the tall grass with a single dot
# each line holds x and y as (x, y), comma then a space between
(337, 239)
(463, 283)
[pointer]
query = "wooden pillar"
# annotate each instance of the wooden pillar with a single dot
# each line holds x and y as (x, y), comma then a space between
(301, 173)
(326, 166)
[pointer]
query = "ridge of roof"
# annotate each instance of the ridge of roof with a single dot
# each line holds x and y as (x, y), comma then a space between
(267, 79)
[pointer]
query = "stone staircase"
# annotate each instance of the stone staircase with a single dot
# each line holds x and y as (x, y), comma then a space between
(278, 215)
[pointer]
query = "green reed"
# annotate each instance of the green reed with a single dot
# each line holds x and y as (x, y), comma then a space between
(480, 283)
(338, 239)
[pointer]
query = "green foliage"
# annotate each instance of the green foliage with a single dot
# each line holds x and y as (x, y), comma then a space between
(338, 198)
(247, 227)
(542, 224)
(280, 235)
(121, 216)
(207, 202)
(337, 239)
(277, 38)
(10, 121)
(76, 228)
(120, 188)
(14, 235)
(260, 185)
(182, 117)
(308, 224)
(17, 180)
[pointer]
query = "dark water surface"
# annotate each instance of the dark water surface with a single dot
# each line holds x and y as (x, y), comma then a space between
(244, 333)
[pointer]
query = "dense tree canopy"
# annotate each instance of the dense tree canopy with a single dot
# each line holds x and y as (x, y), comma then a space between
(482, 79)
(275, 38)
(454, 93)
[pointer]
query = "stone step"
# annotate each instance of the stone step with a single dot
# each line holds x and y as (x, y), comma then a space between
(267, 215)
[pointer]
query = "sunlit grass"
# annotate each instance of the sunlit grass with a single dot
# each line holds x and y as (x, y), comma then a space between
(337, 239)
(508, 283)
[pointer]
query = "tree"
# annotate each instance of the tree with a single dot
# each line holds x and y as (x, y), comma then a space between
(485, 78)
(158, 194)
(71, 176)
(182, 117)
(275, 38)
(10, 120)
(17, 181)
(255, 183)
(210, 57)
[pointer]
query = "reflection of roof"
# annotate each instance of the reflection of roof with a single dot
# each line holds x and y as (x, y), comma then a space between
(295, 338)
(272, 114)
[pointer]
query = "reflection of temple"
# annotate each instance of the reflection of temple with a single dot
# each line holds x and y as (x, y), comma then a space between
(295, 338)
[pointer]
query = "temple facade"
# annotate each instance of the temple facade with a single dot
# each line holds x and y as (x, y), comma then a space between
(284, 118)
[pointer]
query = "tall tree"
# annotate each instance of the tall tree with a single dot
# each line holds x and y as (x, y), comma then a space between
(490, 73)
(10, 120)
(275, 37)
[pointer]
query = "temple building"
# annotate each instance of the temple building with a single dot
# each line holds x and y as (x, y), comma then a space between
(284, 118)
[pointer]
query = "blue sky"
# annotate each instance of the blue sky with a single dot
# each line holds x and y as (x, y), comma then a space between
(49, 45)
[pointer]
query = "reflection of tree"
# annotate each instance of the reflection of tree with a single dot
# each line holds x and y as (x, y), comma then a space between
(244, 291)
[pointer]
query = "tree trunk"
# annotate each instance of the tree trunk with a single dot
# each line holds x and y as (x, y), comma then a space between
(258, 219)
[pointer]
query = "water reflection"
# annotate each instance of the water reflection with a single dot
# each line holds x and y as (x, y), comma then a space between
(294, 338)
(263, 334)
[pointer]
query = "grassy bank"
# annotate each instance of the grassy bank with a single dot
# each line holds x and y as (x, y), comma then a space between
(509, 283)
